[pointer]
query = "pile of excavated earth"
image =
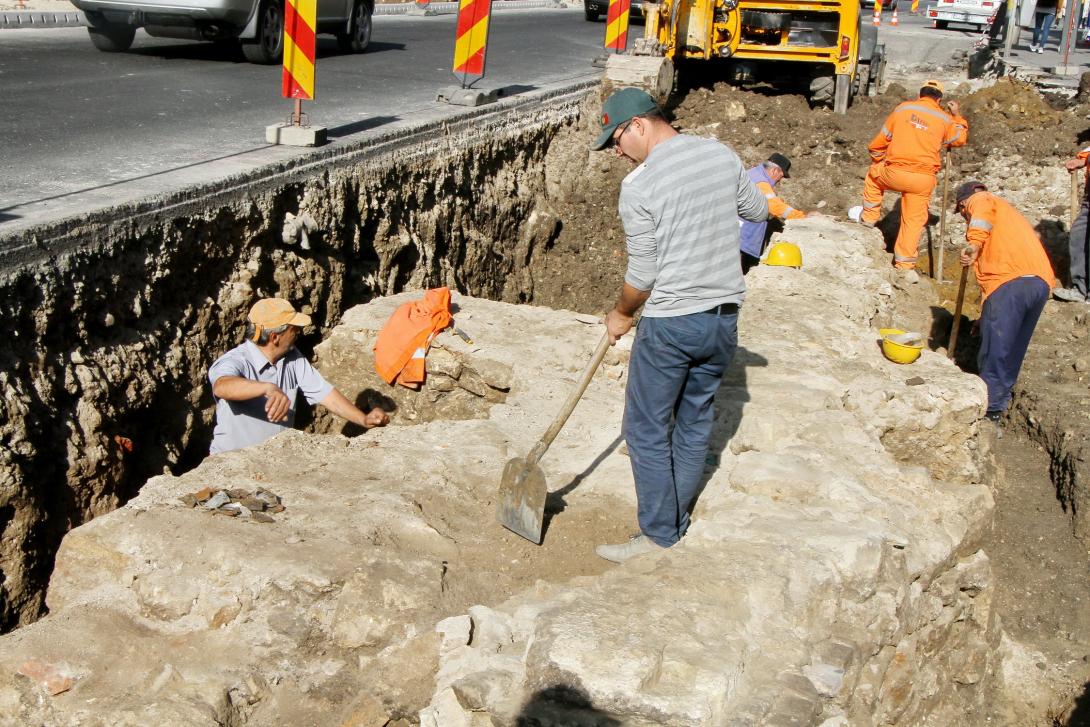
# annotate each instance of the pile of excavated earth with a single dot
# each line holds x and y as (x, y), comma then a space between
(839, 570)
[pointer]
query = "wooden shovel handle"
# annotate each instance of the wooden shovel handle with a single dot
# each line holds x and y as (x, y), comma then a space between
(957, 314)
(542, 446)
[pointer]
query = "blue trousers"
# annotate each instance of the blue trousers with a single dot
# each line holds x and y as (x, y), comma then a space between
(676, 366)
(1006, 324)
(1043, 27)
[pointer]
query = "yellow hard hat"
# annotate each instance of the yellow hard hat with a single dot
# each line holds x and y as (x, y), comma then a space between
(786, 254)
(900, 346)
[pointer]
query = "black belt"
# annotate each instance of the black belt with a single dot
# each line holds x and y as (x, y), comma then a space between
(723, 309)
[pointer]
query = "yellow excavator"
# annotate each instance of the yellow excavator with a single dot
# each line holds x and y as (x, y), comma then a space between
(822, 45)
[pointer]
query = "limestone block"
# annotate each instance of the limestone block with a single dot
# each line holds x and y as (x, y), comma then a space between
(369, 609)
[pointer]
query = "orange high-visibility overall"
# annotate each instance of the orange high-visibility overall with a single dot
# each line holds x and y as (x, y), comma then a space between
(906, 158)
(1009, 246)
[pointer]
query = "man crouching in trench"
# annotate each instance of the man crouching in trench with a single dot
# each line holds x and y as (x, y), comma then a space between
(256, 383)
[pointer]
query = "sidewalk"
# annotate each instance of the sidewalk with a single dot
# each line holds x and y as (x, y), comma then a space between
(1041, 68)
(70, 18)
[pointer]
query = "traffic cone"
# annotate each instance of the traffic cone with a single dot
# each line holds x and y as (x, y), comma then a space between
(877, 16)
(893, 20)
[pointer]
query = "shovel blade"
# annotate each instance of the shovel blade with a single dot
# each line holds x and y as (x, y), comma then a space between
(521, 504)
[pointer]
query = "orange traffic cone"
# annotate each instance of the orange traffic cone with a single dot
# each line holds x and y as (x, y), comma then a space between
(893, 20)
(877, 16)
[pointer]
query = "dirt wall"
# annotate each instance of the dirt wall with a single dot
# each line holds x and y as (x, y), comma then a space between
(114, 318)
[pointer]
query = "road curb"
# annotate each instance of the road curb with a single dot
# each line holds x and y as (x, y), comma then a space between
(15, 19)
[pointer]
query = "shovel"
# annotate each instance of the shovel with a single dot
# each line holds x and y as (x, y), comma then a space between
(521, 504)
(952, 344)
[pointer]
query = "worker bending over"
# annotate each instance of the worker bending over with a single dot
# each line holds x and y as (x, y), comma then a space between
(1015, 279)
(753, 235)
(680, 208)
(906, 157)
(256, 383)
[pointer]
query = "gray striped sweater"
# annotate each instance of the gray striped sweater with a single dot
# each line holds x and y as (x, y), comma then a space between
(680, 211)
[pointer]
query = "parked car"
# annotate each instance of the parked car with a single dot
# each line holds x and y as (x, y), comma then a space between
(593, 8)
(972, 12)
(257, 24)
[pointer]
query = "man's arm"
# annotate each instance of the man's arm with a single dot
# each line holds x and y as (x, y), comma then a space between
(776, 206)
(339, 404)
(880, 142)
(619, 320)
(237, 388)
(978, 233)
(752, 205)
(957, 133)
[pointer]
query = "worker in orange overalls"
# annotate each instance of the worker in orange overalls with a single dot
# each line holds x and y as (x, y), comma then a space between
(906, 158)
(1015, 278)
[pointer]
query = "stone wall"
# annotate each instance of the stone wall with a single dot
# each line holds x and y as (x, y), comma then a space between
(833, 573)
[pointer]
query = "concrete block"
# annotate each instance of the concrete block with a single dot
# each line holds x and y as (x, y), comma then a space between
(1074, 70)
(290, 135)
(458, 96)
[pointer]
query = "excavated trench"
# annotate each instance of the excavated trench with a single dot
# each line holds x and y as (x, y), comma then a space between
(115, 318)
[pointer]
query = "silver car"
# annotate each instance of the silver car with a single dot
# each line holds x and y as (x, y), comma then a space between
(257, 24)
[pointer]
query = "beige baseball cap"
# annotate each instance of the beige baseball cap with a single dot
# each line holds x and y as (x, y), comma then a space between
(275, 312)
(932, 83)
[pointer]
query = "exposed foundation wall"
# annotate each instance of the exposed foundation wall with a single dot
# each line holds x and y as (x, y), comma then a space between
(114, 319)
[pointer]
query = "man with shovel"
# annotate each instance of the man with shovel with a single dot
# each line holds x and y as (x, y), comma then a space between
(906, 157)
(680, 208)
(256, 383)
(1015, 279)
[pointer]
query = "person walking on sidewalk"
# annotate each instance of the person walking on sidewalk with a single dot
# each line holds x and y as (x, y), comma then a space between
(679, 208)
(753, 235)
(1044, 13)
(906, 158)
(1015, 278)
(1078, 244)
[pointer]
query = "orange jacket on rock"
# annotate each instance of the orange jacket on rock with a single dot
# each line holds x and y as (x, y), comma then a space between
(915, 133)
(403, 342)
(1009, 246)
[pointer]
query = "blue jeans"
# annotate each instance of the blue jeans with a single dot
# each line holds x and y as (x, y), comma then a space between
(1043, 27)
(1006, 324)
(675, 370)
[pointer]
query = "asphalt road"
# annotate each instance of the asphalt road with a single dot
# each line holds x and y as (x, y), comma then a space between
(82, 129)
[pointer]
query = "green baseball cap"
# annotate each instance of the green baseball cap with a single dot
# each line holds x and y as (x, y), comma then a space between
(623, 105)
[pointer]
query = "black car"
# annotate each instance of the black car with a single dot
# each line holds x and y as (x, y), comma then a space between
(593, 8)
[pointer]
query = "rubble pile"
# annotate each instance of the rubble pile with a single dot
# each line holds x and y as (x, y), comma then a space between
(238, 503)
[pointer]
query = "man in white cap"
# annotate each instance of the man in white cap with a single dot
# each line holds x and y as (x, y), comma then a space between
(256, 383)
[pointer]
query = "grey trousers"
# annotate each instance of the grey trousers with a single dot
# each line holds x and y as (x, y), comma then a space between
(1077, 247)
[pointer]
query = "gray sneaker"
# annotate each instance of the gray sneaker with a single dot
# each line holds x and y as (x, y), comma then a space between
(1068, 295)
(636, 546)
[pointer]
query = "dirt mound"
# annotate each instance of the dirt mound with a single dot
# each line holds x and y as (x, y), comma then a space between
(1009, 118)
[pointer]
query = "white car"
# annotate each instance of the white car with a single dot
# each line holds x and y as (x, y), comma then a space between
(257, 24)
(971, 12)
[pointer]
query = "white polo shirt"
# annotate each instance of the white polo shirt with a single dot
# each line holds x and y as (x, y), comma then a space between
(244, 423)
